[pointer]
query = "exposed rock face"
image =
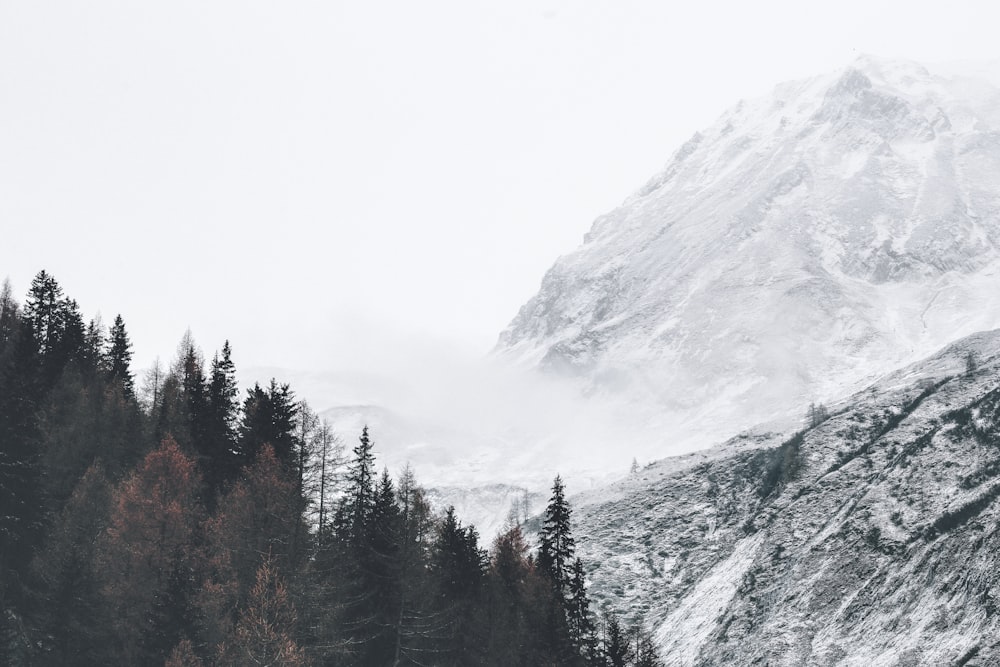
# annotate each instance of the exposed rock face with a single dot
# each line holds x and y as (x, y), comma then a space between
(802, 246)
(870, 539)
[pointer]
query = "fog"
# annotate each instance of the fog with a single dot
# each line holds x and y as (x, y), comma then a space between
(360, 196)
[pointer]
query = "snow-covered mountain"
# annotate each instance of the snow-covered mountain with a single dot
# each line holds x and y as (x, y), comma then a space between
(806, 243)
(869, 539)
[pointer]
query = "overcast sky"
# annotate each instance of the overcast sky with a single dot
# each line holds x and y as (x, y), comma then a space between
(328, 183)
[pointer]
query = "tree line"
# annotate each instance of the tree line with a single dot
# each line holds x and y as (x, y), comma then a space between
(179, 523)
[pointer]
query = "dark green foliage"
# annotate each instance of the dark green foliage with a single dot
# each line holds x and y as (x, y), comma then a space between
(76, 620)
(21, 499)
(459, 570)
(578, 615)
(774, 468)
(56, 326)
(182, 530)
(219, 439)
(360, 501)
(269, 417)
(893, 420)
(556, 545)
(119, 358)
(616, 644)
(954, 518)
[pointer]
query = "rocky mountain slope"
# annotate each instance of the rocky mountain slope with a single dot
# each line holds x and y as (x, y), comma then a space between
(869, 539)
(806, 243)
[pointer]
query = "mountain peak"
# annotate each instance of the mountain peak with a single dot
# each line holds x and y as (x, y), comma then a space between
(899, 70)
(808, 241)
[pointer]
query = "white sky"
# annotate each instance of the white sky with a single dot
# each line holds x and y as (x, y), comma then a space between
(328, 183)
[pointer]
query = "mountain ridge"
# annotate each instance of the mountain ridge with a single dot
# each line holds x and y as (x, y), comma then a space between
(866, 539)
(801, 246)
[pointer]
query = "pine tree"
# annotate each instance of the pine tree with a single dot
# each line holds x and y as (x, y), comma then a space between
(221, 421)
(459, 568)
(195, 392)
(269, 417)
(578, 616)
(616, 644)
(556, 544)
(66, 566)
(381, 571)
(119, 358)
(360, 499)
(419, 626)
(92, 356)
(56, 325)
(42, 311)
(20, 468)
(646, 652)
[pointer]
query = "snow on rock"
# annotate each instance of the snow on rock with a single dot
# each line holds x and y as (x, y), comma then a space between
(806, 243)
(689, 626)
(869, 539)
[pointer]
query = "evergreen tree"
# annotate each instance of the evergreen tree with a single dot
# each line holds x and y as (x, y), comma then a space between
(43, 311)
(646, 653)
(419, 626)
(20, 469)
(578, 616)
(119, 358)
(76, 621)
(360, 500)
(222, 417)
(381, 572)
(616, 644)
(56, 326)
(459, 568)
(556, 544)
(92, 355)
(195, 393)
(269, 417)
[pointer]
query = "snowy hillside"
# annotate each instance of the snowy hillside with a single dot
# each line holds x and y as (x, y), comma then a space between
(871, 539)
(802, 246)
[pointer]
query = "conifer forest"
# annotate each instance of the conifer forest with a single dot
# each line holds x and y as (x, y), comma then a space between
(168, 517)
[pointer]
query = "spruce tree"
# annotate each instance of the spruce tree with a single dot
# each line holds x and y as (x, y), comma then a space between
(556, 544)
(578, 616)
(195, 392)
(92, 355)
(21, 474)
(222, 415)
(269, 417)
(56, 325)
(42, 311)
(360, 499)
(119, 358)
(616, 644)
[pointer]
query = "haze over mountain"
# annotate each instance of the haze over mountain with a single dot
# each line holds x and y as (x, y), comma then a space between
(803, 245)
